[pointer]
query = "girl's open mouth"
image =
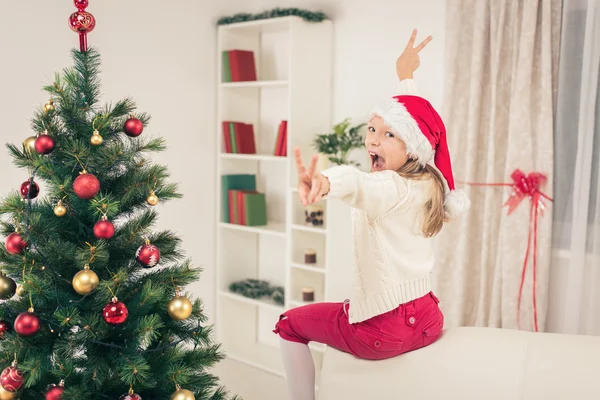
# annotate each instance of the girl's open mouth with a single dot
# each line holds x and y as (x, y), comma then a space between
(377, 162)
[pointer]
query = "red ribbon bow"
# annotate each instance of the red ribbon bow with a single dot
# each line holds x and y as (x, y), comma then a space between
(526, 186)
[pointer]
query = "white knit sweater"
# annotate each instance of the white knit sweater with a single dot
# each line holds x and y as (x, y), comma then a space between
(393, 259)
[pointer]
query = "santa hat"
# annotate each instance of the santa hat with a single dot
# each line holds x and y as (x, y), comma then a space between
(421, 128)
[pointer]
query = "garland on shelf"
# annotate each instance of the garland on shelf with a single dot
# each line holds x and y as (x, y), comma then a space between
(256, 289)
(306, 15)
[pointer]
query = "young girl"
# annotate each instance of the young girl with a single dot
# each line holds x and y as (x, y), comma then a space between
(396, 210)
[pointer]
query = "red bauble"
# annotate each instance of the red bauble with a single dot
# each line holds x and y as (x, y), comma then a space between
(104, 229)
(86, 186)
(27, 324)
(148, 255)
(4, 327)
(14, 243)
(55, 392)
(44, 144)
(11, 378)
(133, 127)
(29, 191)
(80, 4)
(82, 22)
(115, 312)
(130, 396)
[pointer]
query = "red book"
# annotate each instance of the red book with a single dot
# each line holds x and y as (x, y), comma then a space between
(248, 142)
(283, 151)
(241, 63)
(281, 139)
(240, 208)
(232, 206)
(226, 136)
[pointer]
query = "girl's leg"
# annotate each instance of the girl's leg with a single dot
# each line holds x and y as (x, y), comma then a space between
(299, 370)
(325, 323)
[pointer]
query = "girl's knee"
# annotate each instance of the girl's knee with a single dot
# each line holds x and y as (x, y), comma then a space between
(284, 328)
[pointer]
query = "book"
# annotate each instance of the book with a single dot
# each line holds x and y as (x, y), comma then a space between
(238, 137)
(234, 181)
(238, 66)
(281, 141)
(255, 209)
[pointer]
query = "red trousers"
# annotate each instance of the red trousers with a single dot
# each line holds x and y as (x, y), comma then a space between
(408, 327)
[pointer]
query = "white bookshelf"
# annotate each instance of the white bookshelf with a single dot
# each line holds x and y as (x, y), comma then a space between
(294, 83)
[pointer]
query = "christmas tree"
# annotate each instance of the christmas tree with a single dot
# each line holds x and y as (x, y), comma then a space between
(93, 306)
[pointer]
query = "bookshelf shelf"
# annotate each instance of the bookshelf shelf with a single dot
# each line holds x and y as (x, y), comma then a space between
(246, 300)
(253, 157)
(254, 84)
(272, 228)
(293, 61)
(320, 231)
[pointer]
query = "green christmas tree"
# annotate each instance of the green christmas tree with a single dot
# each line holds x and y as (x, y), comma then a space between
(91, 291)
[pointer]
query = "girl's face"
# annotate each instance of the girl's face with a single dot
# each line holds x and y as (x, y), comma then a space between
(386, 149)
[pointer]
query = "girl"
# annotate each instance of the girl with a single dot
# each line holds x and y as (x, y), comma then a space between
(396, 210)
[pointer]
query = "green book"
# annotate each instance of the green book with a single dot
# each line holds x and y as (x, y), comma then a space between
(234, 181)
(234, 144)
(226, 72)
(255, 209)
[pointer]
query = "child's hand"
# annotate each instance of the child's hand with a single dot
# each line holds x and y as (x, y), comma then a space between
(408, 62)
(312, 185)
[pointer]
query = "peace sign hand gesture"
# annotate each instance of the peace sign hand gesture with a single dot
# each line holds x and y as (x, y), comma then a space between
(312, 185)
(408, 62)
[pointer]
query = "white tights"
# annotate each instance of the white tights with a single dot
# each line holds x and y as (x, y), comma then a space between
(299, 370)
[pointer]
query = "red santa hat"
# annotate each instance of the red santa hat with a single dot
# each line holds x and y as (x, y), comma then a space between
(421, 128)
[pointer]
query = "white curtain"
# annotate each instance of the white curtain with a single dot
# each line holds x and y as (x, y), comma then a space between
(501, 73)
(574, 293)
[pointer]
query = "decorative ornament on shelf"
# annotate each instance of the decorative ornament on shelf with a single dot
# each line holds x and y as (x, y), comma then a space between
(14, 243)
(182, 394)
(4, 328)
(27, 323)
(338, 144)
(133, 127)
(148, 255)
(82, 22)
(257, 289)
(96, 139)
(8, 287)
(115, 312)
(29, 146)
(54, 392)
(60, 210)
(314, 215)
(130, 396)
(310, 256)
(86, 185)
(29, 190)
(179, 307)
(11, 378)
(152, 198)
(44, 143)
(49, 106)
(308, 294)
(306, 15)
(525, 186)
(85, 281)
(104, 229)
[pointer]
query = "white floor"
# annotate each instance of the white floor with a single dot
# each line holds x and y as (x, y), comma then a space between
(250, 383)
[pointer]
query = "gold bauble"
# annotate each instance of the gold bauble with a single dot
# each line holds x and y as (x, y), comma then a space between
(183, 394)
(6, 395)
(96, 139)
(85, 281)
(49, 106)
(60, 210)
(8, 287)
(29, 145)
(20, 291)
(152, 199)
(180, 308)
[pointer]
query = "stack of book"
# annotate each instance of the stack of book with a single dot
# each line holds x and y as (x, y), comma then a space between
(238, 137)
(242, 203)
(238, 66)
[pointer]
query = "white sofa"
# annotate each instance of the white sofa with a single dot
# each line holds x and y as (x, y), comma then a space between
(472, 364)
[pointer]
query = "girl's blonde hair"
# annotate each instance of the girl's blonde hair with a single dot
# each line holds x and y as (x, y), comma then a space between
(435, 215)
